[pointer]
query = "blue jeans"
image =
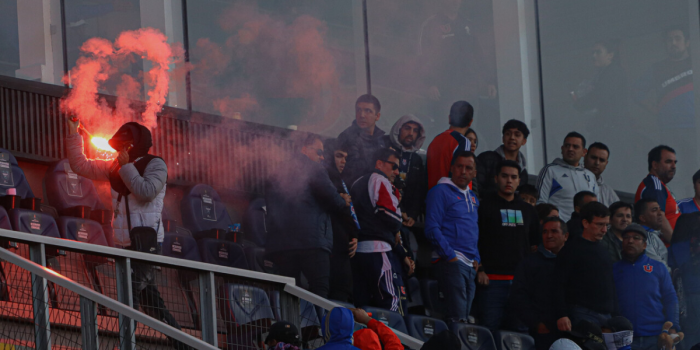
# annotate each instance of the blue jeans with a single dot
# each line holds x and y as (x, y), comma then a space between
(577, 313)
(690, 322)
(645, 343)
(457, 282)
(494, 310)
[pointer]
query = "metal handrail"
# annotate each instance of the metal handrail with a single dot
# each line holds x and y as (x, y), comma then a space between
(176, 263)
(98, 298)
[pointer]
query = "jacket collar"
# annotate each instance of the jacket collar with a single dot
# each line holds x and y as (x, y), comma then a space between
(547, 254)
(396, 130)
(561, 162)
(448, 181)
(521, 157)
(378, 133)
(640, 259)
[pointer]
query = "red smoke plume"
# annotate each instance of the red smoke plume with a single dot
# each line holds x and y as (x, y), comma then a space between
(98, 62)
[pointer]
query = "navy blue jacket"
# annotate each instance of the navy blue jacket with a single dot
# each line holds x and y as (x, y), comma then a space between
(451, 221)
(299, 198)
(533, 290)
(645, 295)
(360, 159)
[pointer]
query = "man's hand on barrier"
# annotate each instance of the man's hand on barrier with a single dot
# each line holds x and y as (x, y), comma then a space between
(353, 247)
(564, 324)
(347, 199)
(361, 316)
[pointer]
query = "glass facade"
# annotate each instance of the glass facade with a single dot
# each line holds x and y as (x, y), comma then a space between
(618, 72)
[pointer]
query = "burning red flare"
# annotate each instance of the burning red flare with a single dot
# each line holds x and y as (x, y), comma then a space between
(104, 150)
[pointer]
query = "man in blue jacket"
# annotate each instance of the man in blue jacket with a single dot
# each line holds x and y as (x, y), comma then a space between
(451, 226)
(645, 291)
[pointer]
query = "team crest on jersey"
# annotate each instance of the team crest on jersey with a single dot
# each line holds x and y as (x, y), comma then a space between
(648, 268)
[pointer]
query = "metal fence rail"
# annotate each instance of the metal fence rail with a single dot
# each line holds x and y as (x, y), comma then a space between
(225, 307)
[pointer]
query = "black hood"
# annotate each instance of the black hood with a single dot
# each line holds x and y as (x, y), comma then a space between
(140, 137)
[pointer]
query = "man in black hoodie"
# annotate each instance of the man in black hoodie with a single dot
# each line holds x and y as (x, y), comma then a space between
(299, 199)
(515, 134)
(363, 137)
(344, 227)
(580, 199)
(508, 226)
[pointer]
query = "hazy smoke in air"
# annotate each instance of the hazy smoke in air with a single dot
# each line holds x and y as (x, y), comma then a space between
(99, 60)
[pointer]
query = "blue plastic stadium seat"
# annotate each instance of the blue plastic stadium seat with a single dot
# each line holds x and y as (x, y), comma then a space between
(82, 230)
(246, 313)
(203, 210)
(254, 222)
(4, 220)
(392, 319)
(257, 261)
(224, 253)
(474, 337)
(180, 246)
(13, 177)
(423, 327)
(65, 189)
(414, 292)
(29, 221)
(506, 340)
(431, 298)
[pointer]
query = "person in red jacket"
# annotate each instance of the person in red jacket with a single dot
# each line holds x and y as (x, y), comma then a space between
(376, 335)
(444, 146)
(662, 168)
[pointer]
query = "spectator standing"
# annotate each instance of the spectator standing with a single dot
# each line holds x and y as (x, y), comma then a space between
(596, 160)
(531, 293)
(559, 181)
(620, 217)
(648, 214)
(684, 259)
(662, 168)
(645, 291)
(299, 203)
(445, 146)
(584, 288)
(344, 227)
(692, 205)
(580, 199)
(364, 138)
(407, 137)
(546, 210)
(529, 193)
(451, 226)
(509, 227)
(473, 138)
(377, 272)
(515, 135)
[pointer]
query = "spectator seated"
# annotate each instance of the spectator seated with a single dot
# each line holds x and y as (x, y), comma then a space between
(247, 313)
(224, 253)
(514, 341)
(389, 318)
(422, 327)
(204, 212)
(254, 222)
(474, 337)
(12, 176)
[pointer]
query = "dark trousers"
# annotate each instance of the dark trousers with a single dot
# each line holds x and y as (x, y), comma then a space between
(313, 263)
(493, 307)
(341, 278)
(373, 286)
(456, 281)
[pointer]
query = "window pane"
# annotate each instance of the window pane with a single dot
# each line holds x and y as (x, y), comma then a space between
(620, 72)
(31, 48)
(425, 55)
(283, 63)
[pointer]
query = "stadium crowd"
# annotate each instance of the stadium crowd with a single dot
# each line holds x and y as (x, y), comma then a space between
(561, 258)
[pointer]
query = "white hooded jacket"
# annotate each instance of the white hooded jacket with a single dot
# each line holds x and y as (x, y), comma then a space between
(559, 182)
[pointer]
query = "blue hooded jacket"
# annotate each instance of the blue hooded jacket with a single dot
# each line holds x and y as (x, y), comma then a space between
(646, 295)
(338, 326)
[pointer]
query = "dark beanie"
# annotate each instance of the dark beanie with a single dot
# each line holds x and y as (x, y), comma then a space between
(461, 114)
(444, 340)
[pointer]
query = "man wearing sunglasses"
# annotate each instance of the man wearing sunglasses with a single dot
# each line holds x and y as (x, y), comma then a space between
(300, 198)
(378, 252)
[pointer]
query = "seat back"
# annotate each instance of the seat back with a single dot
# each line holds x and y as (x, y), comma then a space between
(12, 176)
(389, 318)
(423, 327)
(224, 253)
(254, 222)
(414, 293)
(431, 298)
(474, 337)
(257, 261)
(38, 223)
(82, 230)
(4, 220)
(65, 189)
(506, 340)
(203, 210)
(245, 304)
(180, 246)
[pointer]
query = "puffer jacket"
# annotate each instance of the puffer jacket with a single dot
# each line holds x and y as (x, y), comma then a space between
(147, 191)
(337, 329)
(559, 182)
